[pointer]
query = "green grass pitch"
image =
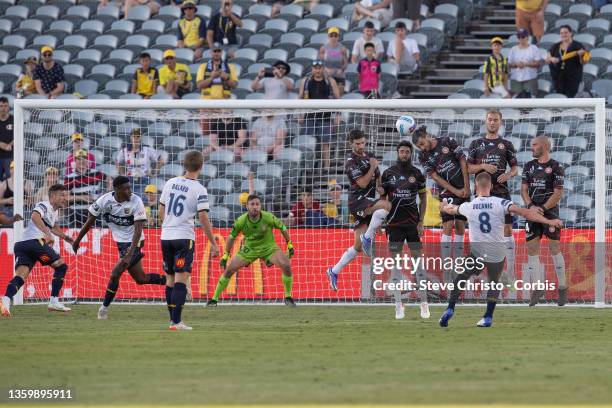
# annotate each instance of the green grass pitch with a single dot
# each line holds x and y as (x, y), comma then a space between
(266, 355)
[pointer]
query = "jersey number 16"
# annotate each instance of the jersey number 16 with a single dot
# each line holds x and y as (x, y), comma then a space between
(175, 206)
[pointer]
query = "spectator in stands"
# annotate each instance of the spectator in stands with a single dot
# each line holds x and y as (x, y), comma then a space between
(276, 86)
(49, 75)
(6, 138)
(85, 185)
(369, 73)
(377, 9)
(305, 208)
(174, 78)
(229, 133)
(333, 208)
(317, 85)
(565, 59)
(410, 9)
(222, 28)
(146, 78)
(25, 83)
(404, 51)
(368, 37)
(78, 145)
(150, 201)
(268, 133)
(7, 190)
(192, 30)
(529, 15)
(524, 60)
(496, 71)
(51, 177)
(153, 5)
(335, 57)
(216, 78)
(138, 162)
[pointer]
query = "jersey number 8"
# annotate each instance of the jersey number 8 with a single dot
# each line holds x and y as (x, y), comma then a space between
(176, 206)
(485, 224)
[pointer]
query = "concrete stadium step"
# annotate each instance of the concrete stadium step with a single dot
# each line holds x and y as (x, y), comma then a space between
(430, 95)
(459, 57)
(494, 27)
(494, 33)
(474, 65)
(439, 88)
(452, 76)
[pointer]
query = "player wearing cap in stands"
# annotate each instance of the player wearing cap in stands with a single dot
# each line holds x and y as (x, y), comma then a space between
(496, 71)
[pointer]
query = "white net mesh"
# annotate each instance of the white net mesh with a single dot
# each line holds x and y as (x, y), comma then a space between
(284, 152)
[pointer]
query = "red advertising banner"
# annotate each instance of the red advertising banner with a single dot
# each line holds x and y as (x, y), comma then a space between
(316, 250)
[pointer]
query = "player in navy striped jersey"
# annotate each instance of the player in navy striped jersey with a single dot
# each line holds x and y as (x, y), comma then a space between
(369, 212)
(125, 215)
(486, 216)
(402, 183)
(36, 245)
(494, 154)
(542, 188)
(181, 200)
(443, 160)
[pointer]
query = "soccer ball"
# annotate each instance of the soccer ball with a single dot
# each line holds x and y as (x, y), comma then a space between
(405, 125)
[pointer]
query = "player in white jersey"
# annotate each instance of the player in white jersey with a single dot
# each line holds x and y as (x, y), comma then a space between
(181, 200)
(125, 215)
(486, 217)
(36, 245)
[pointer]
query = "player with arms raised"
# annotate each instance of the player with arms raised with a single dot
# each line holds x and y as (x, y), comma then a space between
(542, 188)
(257, 227)
(443, 160)
(494, 154)
(125, 215)
(402, 183)
(36, 245)
(182, 198)
(369, 212)
(486, 216)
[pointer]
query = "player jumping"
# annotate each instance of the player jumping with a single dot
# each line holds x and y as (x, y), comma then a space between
(541, 188)
(125, 215)
(402, 183)
(257, 227)
(369, 212)
(443, 160)
(182, 198)
(36, 245)
(494, 154)
(486, 216)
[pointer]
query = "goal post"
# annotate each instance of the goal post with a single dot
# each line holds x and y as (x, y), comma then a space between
(377, 116)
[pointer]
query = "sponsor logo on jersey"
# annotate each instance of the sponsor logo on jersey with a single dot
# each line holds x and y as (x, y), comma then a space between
(445, 150)
(127, 211)
(548, 170)
(501, 146)
(180, 262)
(95, 207)
(44, 258)
(411, 179)
(552, 229)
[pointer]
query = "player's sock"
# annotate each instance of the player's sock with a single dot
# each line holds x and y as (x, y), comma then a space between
(58, 280)
(288, 284)
(13, 286)
(533, 266)
(221, 285)
(396, 277)
(456, 292)
(345, 259)
(378, 217)
(445, 253)
(169, 300)
(458, 245)
(559, 263)
(111, 291)
(510, 251)
(155, 279)
(492, 296)
(179, 293)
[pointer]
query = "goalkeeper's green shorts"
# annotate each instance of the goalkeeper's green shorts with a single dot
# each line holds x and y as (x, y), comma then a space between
(264, 252)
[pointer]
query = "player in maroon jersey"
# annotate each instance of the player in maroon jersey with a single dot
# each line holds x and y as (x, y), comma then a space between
(542, 187)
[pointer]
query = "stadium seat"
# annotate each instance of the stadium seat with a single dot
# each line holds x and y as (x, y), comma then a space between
(209, 172)
(273, 174)
(120, 58)
(237, 172)
(42, 40)
(12, 44)
(448, 13)
(275, 28)
(165, 42)
(139, 14)
(63, 130)
(105, 44)
(563, 157)
(579, 174)
(573, 23)
(271, 56)
(587, 39)
(44, 144)
(170, 170)
(259, 186)
(434, 29)
(169, 14)
(110, 143)
(74, 43)
(524, 130)
(580, 12)
(122, 29)
(291, 13)
(102, 73)
(77, 14)
(9, 74)
(598, 27)
(249, 27)
(460, 131)
(16, 14)
(108, 15)
(552, 13)
(6, 26)
(137, 43)
(260, 42)
(307, 27)
(548, 40)
(91, 29)
(204, 11)
(152, 28)
(245, 56)
(220, 187)
(220, 216)
(321, 12)
(254, 158)
(108, 169)
(305, 56)
(260, 13)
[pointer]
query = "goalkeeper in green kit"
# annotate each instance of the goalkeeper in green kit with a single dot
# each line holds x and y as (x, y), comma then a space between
(257, 227)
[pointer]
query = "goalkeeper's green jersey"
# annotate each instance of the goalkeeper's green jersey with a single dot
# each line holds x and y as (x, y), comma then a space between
(258, 233)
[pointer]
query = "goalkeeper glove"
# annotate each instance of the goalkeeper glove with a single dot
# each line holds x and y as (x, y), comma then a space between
(224, 259)
(290, 251)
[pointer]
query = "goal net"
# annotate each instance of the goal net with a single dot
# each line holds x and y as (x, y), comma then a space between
(292, 154)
